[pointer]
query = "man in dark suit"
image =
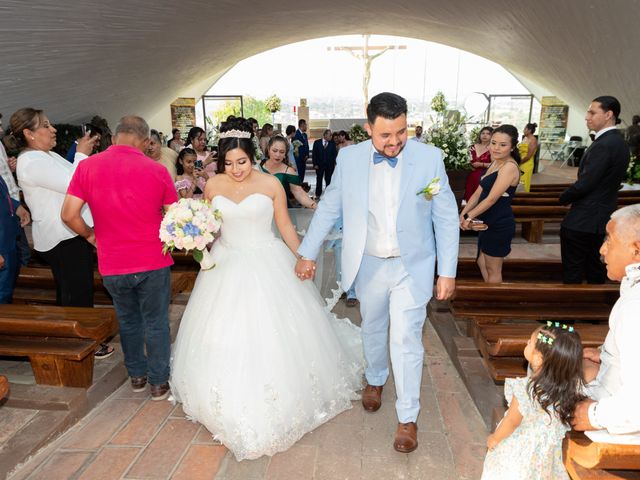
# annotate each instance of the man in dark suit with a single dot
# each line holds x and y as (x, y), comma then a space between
(324, 157)
(303, 149)
(594, 195)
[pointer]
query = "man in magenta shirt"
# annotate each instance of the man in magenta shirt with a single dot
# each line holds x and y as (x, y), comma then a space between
(127, 192)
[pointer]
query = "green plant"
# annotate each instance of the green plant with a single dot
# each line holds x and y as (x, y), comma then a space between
(447, 133)
(633, 171)
(358, 133)
(273, 104)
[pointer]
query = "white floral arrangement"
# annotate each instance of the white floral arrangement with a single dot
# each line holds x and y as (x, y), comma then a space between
(431, 190)
(447, 133)
(190, 225)
(273, 104)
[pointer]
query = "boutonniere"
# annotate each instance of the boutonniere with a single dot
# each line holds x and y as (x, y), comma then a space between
(430, 190)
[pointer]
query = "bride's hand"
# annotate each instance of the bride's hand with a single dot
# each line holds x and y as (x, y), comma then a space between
(305, 269)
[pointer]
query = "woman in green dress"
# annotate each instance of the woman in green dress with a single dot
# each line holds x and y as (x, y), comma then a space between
(276, 164)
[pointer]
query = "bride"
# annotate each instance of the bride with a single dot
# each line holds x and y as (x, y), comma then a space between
(259, 360)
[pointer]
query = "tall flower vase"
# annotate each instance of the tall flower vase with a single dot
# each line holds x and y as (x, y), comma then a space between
(457, 182)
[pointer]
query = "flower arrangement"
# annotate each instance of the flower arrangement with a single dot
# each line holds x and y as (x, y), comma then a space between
(633, 171)
(189, 224)
(431, 190)
(447, 133)
(296, 144)
(273, 104)
(358, 133)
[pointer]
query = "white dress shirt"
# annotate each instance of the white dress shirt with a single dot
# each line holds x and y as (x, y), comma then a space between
(604, 130)
(384, 201)
(617, 386)
(44, 178)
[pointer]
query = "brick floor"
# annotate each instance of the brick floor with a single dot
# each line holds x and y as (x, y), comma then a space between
(131, 437)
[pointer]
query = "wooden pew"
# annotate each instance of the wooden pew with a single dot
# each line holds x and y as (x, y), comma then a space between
(586, 460)
(36, 285)
(553, 201)
(515, 269)
(533, 218)
(543, 187)
(502, 345)
(59, 341)
(533, 301)
(4, 386)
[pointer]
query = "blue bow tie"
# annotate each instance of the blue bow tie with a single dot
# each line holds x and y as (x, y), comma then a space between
(378, 157)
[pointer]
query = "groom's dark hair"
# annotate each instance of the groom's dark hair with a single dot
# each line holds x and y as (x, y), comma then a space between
(386, 105)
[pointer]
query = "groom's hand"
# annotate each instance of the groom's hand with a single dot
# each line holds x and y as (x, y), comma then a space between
(305, 269)
(445, 288)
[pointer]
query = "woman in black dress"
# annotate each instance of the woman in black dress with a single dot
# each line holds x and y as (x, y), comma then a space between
(489, 208)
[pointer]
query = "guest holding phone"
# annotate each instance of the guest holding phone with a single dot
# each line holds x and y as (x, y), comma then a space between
(44, 177)
(197, 140)
(490, 204)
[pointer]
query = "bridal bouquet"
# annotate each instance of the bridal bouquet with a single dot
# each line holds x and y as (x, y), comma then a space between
(190, 224)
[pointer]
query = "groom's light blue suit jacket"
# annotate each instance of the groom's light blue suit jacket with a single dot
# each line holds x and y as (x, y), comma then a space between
(426, 229)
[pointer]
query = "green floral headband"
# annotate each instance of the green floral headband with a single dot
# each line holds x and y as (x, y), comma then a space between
(564, 326)
(548, 339)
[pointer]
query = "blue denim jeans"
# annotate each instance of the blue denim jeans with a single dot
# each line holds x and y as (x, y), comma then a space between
(142, 304)
(8, 275)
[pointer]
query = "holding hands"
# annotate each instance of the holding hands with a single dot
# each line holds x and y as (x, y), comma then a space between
(305, 268)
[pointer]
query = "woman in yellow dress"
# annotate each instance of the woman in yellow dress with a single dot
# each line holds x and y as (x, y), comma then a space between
(527, 149)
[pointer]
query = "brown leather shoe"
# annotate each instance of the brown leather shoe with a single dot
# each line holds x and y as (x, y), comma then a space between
(160, 392)
(138, 383)
(372, 398)
(406, 437)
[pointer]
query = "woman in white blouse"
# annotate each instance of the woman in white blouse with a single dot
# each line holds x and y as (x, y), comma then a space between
(44, 177)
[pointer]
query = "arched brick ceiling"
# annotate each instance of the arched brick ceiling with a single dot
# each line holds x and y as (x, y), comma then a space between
(113, 57)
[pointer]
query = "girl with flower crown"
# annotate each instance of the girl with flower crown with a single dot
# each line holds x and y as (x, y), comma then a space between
(527, 443)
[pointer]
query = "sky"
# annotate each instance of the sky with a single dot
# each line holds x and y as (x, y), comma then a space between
(416, 73)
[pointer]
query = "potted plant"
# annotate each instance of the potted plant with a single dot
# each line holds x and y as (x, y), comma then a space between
(447, 133)
(273, 104)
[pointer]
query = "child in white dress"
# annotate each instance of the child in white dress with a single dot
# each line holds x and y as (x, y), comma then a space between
(527, 444)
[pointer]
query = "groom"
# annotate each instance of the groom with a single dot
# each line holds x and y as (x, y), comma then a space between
(391, 240)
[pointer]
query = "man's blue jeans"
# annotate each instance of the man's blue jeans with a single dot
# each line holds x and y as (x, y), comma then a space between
(142, 304)
(8, 275)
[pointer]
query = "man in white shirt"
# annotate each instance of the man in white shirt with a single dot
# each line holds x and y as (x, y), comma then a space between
(392, 235)
(615, 390)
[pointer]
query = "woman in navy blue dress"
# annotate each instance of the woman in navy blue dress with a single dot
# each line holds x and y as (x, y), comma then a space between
(489, 208)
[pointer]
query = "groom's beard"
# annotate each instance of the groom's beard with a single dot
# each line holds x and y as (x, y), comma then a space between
(395, 154)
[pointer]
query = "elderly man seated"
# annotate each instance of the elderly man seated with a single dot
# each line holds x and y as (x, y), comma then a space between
(612, 370)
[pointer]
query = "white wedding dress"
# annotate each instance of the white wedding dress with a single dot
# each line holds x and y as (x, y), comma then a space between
(259, 360)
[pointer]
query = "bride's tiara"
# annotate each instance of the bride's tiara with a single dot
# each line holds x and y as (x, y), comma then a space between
(235, 134)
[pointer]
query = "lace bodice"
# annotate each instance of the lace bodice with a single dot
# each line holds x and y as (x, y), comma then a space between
(247, 223)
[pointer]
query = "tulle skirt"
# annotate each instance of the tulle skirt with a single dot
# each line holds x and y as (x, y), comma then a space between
(259, 359)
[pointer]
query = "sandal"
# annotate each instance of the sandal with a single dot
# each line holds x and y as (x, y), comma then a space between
(104, 351)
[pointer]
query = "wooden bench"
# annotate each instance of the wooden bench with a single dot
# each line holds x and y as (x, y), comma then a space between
(36, 285)
(533, 217)
(586, 460)
(4, 386)
(515, 269)
(59, 341)
(510, 339)
(502, 345)
(543, 187)
(485, 302)
(554, 201)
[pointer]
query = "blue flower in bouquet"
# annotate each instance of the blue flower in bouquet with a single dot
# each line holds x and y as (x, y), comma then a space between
(191, 230)
(189, 225)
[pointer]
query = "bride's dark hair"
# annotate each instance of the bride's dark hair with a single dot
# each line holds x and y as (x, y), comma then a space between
(231, 143)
